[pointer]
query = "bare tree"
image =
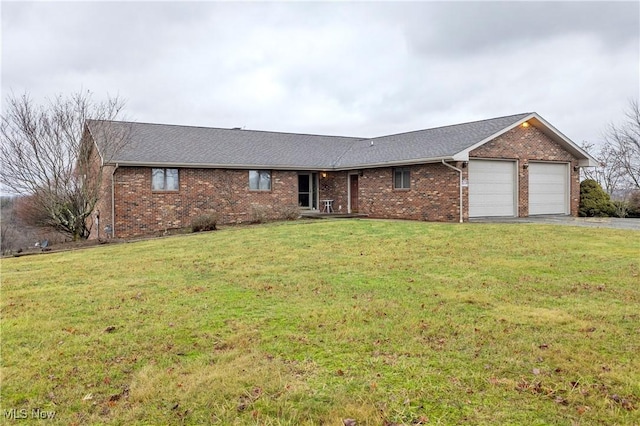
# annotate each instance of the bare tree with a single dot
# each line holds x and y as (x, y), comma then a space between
(624, 141)
(618, 170)
(48, 156)
(608, 173)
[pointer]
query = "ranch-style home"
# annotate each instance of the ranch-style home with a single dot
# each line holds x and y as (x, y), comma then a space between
(167, 175)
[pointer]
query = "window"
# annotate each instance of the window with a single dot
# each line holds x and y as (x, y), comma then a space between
(164, 180)
(401, 178)
(260, 180)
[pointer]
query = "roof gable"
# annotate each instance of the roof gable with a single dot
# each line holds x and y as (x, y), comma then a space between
(584, 159)
(424, 145)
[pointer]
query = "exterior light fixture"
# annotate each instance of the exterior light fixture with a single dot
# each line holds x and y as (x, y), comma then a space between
(324, 174)
(525, 124)
(525, 166)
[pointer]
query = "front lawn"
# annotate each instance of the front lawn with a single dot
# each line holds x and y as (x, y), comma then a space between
(314, 322)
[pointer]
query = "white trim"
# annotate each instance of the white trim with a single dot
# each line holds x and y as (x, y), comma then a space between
(592, 162)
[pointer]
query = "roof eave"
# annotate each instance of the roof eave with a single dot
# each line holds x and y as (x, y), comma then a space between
(393, 163)
(283, 167)
(247, 166)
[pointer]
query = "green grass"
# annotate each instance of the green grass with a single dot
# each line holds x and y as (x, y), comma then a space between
(314, 322)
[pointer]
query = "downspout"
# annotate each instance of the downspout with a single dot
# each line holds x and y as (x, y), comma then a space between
(460, 184)
(113, 201)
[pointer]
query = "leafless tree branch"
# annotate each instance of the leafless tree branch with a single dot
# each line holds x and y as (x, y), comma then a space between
(624, 141)
(48, 155)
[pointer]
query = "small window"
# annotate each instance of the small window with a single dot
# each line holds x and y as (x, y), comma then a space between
(401, 178)
(260, 180)
(164, 180)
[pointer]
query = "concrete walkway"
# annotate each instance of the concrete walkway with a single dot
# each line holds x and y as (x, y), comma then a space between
(591, 222)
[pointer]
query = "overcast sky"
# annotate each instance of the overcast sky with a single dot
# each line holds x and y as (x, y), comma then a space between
(353, 69)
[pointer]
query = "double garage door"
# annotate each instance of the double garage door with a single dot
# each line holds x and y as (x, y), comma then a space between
(493, 188)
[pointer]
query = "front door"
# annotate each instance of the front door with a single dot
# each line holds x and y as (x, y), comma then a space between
(307, 190)
(353, 193)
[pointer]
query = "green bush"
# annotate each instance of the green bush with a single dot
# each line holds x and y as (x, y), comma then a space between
(594, 201)
(207, 222)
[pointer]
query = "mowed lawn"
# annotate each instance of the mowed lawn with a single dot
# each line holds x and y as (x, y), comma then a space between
(315, 322)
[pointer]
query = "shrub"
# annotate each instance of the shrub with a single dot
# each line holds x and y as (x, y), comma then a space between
(621, 208)
(207, 222)
(290, 212)
(259, 213)
(634, 204)
(594, 201)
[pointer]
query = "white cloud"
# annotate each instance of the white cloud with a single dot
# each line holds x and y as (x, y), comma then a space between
(337, 68)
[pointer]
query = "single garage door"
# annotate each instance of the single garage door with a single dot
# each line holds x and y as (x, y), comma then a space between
(492, 188)
(548, 188)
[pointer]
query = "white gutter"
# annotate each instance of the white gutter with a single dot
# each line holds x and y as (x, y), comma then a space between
(460, 184)
(113, 202)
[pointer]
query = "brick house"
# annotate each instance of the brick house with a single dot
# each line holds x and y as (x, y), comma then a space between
(166, 175)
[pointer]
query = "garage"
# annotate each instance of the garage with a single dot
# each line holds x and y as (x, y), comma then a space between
(548, 188)
(492, 188)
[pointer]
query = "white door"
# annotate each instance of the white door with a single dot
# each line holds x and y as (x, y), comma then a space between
(548, 188)
(492, 188)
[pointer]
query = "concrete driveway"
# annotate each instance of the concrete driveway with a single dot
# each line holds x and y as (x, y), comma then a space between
(591, 222)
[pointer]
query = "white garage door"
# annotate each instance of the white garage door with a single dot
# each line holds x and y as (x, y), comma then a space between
(492, 188)
(548, 189)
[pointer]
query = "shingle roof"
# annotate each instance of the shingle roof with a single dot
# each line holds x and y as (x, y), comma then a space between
(186, 146)
(437, 143)
(202, 146)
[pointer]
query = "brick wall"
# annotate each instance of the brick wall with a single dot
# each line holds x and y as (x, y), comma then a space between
(103, 206)
(102, 188)
(334, 187)
(139, 210)
(525, 145)
(433, 195)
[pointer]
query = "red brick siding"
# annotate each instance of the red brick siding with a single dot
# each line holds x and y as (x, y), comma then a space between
(139, 210)
(334, 187)
(433, 195)
(525, 145)
(103, 206)
(103, 188)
